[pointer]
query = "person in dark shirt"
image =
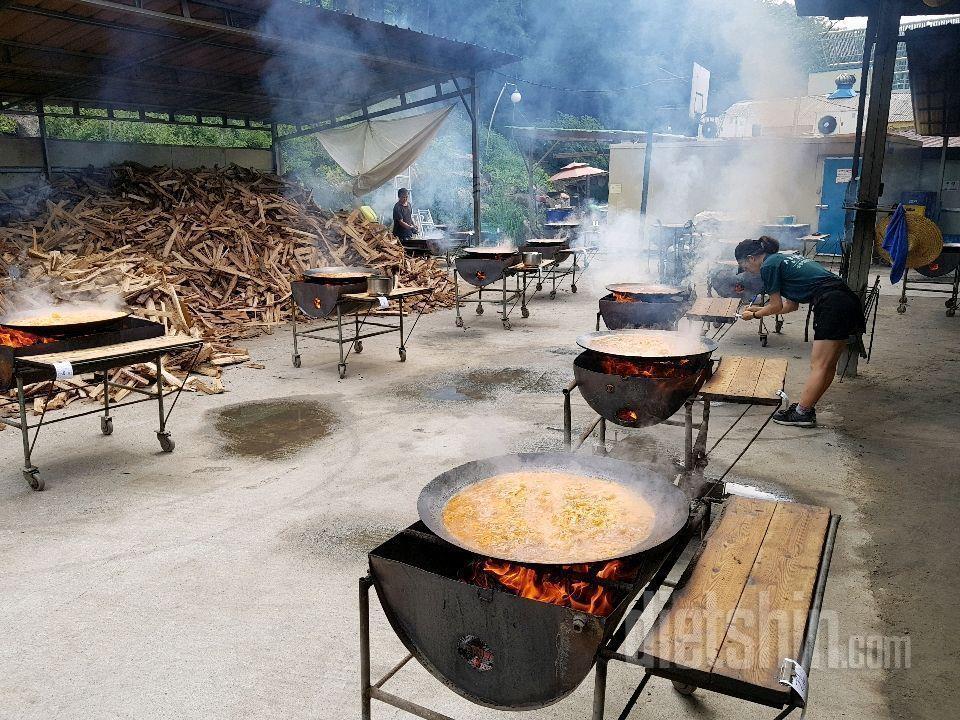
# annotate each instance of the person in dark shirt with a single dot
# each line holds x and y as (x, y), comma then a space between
(403, 226)
(789, 281)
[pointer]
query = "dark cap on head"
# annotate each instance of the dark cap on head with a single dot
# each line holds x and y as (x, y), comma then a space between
(402, 191)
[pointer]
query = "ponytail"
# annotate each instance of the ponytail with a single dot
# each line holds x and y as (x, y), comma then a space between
(769, 245)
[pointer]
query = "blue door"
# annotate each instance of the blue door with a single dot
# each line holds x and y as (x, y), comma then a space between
(836, 175)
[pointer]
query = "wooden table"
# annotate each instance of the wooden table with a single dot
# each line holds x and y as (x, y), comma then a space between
(719, 310)
(145, 350)
(747, 380)
(744, 602)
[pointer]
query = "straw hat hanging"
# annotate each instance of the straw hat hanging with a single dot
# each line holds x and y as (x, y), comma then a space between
(924, 239)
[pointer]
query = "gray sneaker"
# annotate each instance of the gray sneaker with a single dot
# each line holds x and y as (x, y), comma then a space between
(790, 416)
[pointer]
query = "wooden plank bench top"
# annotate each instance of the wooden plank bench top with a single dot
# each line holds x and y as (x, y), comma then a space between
(747, 380)
(742, 604)
(723, 310)
(150, 346)
(394, 294)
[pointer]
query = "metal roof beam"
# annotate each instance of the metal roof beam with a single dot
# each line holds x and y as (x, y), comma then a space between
(322, 105)
(380, 113)
(307, 48)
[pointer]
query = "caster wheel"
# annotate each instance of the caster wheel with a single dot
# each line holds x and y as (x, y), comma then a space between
(166, 442)
(106, 425)
(342, 370)
(507, 325)
(32, 476)
(296, 361)
(539, 287)
(358, 347)
(524, 312)
(459, 322)
(951, 312)
(403, 355)
(684, 688)
(479, 309)
(573, 289)
(763, 341)
(553, 294)
(901, 309)
(778, 327)
(951, 303)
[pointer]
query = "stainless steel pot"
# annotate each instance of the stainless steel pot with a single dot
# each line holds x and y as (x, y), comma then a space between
(532, 259)
(379, 285)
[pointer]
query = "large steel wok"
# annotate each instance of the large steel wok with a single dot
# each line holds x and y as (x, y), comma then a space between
(646, 379)
(62, 321)
(668, 501)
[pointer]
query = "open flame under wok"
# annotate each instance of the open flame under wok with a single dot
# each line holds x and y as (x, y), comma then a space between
(625, 367)
(564, 585)
(18, 339)
(624, 297)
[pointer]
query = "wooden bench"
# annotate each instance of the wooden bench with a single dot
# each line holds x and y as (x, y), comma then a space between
(746, 380)
(720, 310)
(744, 602)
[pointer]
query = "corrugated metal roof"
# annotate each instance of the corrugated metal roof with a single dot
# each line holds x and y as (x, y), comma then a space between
(928, 141)
(843, 49)
(260, 59)
(807, 110)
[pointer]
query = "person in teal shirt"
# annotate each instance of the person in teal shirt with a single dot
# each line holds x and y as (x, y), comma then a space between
(790, 281)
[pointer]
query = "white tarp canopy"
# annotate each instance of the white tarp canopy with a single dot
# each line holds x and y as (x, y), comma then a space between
(374, 151)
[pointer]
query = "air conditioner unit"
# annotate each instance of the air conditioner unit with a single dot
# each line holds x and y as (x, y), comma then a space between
(827, 125)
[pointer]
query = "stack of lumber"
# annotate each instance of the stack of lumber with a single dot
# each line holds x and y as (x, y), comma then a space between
(209, 253)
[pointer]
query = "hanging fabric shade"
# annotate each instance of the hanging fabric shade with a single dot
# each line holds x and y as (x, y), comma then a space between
(374, 151)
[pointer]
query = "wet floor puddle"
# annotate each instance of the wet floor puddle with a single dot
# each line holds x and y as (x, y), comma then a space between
(272, 429)
(481, 384)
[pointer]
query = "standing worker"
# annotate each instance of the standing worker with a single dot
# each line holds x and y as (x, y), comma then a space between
(790, 280)
(403, 226)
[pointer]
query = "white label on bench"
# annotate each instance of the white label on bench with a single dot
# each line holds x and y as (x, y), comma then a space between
(384, 303)
(793, 674)
(63, 369)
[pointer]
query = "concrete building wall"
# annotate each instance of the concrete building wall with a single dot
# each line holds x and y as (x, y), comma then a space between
(754, 178)
(20, 158)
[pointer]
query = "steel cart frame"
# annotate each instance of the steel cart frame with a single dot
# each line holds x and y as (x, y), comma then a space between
(99, 361)
(355, 342)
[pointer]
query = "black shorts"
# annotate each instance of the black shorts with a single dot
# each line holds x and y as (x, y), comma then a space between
(837, 314)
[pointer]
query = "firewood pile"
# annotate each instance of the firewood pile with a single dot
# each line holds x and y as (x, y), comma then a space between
(209, 253)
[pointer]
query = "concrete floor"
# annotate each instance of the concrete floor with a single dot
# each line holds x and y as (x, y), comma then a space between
(221, 581)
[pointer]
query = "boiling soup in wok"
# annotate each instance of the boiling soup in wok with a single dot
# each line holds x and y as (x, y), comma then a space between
(550, 517)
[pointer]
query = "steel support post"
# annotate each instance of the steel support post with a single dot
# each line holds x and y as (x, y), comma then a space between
(874, 147)
(44, 147)
(475, 149)
(276, 160)
(645, 192)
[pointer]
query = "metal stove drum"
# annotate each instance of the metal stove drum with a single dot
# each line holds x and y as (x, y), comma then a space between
(483, 267)
(644, 305)
(342, 293)
(69, 350)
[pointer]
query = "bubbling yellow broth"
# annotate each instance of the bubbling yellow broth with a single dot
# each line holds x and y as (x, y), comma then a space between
(553, 517)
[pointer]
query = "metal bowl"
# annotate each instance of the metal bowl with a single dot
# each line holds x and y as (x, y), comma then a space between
(531, 259)
(380, 284)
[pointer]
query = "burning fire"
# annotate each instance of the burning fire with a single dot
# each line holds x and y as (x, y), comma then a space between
(934, 266)
(481, 276)
(624, 297)
(614, 365)
(17, 338)
(566, 586)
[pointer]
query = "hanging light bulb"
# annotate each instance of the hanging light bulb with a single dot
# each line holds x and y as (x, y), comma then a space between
(515, 97)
